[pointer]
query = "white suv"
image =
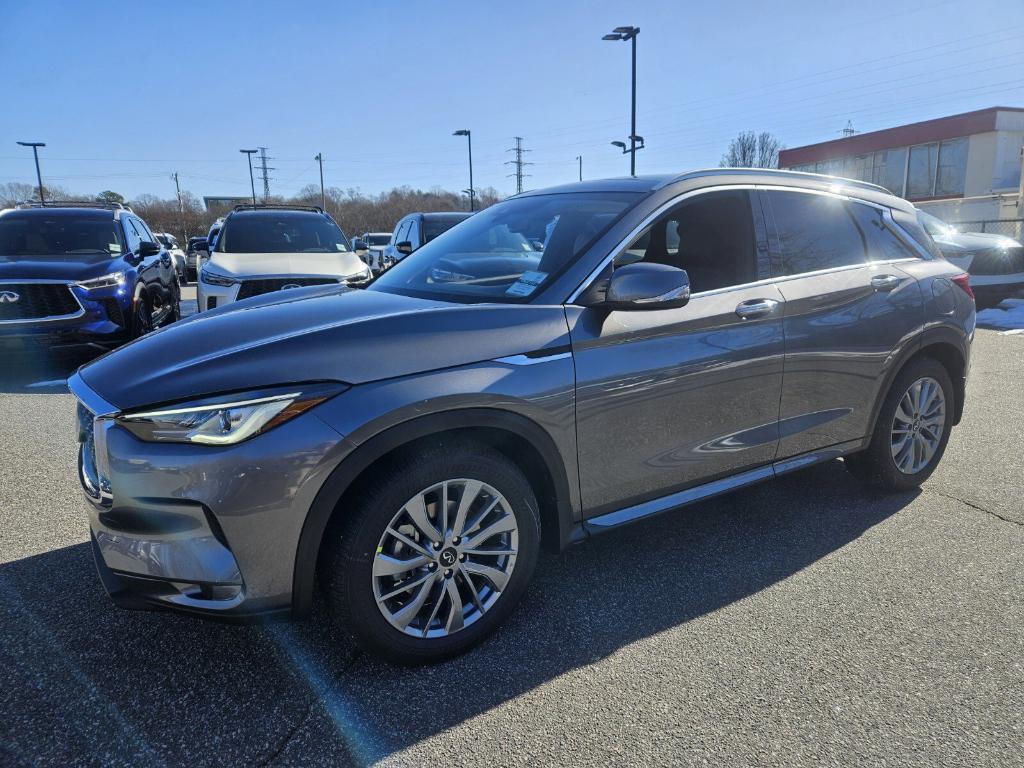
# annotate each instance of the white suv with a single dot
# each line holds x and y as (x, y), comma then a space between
(267, 248)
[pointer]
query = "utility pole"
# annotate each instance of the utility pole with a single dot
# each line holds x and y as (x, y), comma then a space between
(580, 159)
(263, 170)
(323, 198)
(35, 153)
(518, 163)
(469, 140)
(249, 153)
(181, 208)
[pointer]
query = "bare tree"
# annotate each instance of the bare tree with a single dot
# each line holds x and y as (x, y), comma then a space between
(750, 150)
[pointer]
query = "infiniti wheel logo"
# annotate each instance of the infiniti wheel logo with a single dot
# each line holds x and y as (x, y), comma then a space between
(9, 297)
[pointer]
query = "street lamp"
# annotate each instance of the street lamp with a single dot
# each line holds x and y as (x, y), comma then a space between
(35, 152)
(629, 33)
(249, 153)
(469, 139)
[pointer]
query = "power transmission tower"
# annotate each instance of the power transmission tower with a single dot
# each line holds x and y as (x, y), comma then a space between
(518, 163)
(264, 172)
(849, 129)
(181, 208)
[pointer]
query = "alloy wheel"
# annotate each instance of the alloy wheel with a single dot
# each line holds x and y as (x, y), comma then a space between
(917, 425)
(445, 558)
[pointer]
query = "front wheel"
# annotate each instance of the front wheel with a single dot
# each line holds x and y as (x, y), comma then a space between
(912, 430)
(434, 553)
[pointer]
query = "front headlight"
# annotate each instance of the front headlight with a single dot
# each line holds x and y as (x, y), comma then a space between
(361, 276)
(227, 420)
(113, 280)
(212, 278)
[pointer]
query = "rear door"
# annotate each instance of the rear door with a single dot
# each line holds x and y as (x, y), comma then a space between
(674, 398)
(849, 309)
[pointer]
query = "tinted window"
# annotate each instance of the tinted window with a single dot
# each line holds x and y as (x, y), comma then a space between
(508, 252)
(37, 234)
(815, 232)
(432, 227)
(132, 233)
(711, 236)
(401, 232)
(378, 240)
(280, 232)
(883, 245)
(143, 229)
(413, 235)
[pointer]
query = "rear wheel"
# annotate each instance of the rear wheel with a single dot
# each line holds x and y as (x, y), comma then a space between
(912, 430)
(434, 554)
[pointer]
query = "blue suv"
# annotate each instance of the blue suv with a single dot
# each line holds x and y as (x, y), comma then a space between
(81, 274)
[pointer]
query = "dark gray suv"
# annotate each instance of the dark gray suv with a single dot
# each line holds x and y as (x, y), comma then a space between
(560, 364)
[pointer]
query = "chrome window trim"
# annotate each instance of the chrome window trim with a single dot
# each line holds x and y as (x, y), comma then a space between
(48, 318)
(651, 217)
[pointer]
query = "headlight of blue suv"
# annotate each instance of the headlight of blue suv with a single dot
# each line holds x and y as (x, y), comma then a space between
(226, 420)
(113, 280)
(212, 278)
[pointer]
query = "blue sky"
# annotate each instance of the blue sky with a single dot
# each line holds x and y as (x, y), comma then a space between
(125, 94)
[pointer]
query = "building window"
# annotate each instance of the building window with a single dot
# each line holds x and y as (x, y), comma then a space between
(890, 167)
(921, 171)
(952, 167)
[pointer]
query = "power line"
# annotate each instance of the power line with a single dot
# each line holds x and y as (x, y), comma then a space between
(518, 162)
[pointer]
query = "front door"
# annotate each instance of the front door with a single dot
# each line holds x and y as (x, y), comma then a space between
(669, 399)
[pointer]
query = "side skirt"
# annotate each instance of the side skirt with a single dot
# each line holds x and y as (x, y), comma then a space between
(646, 509)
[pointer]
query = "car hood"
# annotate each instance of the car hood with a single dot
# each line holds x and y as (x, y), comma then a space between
(340, 264)
(964, 242)
(322, 333)
(60, 267)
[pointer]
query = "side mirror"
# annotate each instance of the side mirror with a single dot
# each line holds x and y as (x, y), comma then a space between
(148, 248)
(360, 245)
(404, 247)
(640, 286)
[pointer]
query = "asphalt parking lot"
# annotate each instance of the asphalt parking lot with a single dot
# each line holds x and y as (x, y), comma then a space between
(801, 622)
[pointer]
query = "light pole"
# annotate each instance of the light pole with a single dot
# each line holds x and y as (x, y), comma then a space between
(249, 153)
(469, 139)
(629, 33)
(39, 176)
(323, 199)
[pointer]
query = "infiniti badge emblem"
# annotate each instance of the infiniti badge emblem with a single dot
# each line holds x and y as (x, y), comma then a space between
(8, 297)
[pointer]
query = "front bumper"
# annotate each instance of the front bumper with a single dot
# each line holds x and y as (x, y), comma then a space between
(102, 320)
(211, 530)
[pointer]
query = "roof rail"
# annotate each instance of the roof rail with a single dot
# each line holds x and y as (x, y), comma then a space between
(780, 172)
(114, 206)
(277, 206)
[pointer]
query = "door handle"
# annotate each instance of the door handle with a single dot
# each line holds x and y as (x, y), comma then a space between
(748, 310)
(884, 282)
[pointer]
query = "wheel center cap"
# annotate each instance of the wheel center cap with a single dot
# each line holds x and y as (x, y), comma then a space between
(448, 557)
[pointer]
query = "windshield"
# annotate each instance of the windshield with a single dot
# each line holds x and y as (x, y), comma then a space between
(36, 235)
(508, 252)
(378, 239)
(281, 232)
(935, 227)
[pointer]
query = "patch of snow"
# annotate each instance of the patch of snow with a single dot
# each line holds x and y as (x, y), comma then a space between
(1008, 317)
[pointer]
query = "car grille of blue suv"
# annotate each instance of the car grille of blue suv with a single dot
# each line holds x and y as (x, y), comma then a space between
(269, 284)
(36, 301)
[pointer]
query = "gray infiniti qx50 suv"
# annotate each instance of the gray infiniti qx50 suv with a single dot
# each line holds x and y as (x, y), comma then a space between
(562, 363)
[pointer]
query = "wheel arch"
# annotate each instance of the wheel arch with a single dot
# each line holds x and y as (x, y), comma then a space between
(520, 439)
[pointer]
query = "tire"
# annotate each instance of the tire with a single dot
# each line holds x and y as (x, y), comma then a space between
(879, 465)
(356, 553)
(175, 314)
(142, 319)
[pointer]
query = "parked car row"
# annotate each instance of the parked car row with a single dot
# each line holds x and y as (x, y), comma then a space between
(558, 365)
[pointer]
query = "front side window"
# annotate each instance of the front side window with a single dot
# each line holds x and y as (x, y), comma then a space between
(413, 235)
(281, 232)
(59, 236)
(507, 253)
(710, 235)
(815, 232)
(132, 233)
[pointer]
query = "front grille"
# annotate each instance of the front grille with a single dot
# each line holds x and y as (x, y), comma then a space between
(269, 284)
(36, 301)
(998, 261)
(114, 312)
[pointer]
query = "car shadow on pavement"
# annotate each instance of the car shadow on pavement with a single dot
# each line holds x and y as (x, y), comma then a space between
(41, 371)
(81, 681)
